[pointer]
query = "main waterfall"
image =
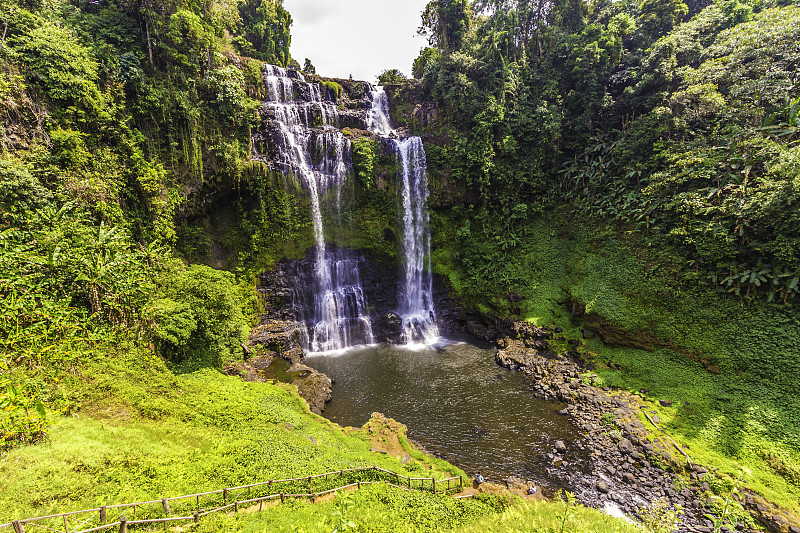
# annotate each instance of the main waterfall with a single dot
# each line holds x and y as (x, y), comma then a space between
(416, 298)
(308, 144)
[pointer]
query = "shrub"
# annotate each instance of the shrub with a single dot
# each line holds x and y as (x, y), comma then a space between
(334, 89)
(202, 320)
(20, 192)
(60, 65)
(226, 91)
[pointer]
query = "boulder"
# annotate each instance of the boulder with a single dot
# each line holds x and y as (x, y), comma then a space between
(516, 484)
(392, 327)
(313, 386)
(515, 356)
(282, 337)
(625, 446)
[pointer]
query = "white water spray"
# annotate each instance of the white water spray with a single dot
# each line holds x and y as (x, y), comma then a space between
(416, 298)
(340, 318)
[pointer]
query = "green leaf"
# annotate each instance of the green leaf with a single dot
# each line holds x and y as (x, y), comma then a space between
(41, 410)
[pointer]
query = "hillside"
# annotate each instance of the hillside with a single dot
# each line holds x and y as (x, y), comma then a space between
(624, 173)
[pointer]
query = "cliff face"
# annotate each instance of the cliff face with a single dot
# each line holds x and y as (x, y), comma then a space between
(351, 100)
(363, 223)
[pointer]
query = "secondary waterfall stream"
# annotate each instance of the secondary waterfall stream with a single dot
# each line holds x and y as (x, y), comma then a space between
(416, 297)
(311, 147)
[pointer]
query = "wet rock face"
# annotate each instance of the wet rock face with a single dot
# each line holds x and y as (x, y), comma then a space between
(352, 102)
(288, 295)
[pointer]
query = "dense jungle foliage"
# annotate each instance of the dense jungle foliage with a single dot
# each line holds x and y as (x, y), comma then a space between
(631, 170)
(118, 120)
(634, 160)
(679, 121)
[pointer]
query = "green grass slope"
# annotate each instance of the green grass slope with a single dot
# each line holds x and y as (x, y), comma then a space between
(144, 433)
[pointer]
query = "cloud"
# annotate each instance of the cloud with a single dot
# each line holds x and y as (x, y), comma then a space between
(358, 37)
(308, 11)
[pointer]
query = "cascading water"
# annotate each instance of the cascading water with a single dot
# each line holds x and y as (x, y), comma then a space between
(416, 297)
(340, 318)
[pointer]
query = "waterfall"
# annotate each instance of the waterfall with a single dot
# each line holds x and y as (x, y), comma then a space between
(416, 297)
(308, 144)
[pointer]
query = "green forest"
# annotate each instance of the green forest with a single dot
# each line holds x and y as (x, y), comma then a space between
(625, 173)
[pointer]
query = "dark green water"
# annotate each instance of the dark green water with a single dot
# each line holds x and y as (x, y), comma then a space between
(457, 403)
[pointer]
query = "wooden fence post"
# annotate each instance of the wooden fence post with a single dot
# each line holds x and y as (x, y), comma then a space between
(165, 503)
(235, 507)
(196, 516)
(433, 481)
(18, 526)
(103, 515)
(123, 524)
(282, 498)
(224, 496)
(460, 482)
(309, 485)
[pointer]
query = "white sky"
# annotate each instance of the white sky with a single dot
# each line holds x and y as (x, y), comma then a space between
(358, 37)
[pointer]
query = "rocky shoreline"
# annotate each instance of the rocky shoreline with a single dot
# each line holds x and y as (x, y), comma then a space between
(631, 464)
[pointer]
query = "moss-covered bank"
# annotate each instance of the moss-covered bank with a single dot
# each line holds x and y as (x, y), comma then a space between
(727, 371)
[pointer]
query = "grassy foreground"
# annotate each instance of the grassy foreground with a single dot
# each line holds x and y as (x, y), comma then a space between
(144, 433)
(138, 431)
(384, 509)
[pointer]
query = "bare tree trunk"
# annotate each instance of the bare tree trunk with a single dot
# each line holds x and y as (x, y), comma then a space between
(5, 29)
(149, 45)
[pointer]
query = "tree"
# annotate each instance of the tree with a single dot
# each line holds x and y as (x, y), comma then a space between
(427, 56)
(658, 17)
(265, 31)
(446, 23)
(391, 76)
(60, 65)
(308, 68)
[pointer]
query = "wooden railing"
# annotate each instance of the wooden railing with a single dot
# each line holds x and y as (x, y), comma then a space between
(195, 506)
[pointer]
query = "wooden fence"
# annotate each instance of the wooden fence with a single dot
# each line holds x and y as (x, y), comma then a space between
(195, 506)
